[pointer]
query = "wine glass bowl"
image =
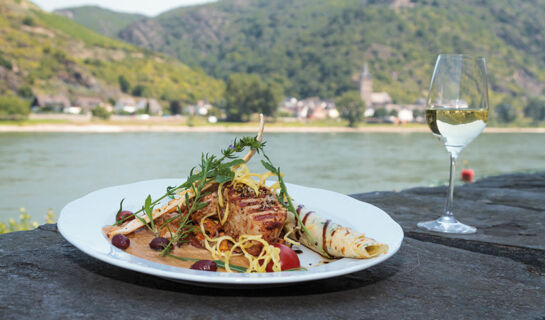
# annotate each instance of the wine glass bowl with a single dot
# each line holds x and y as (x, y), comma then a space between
(456, 112)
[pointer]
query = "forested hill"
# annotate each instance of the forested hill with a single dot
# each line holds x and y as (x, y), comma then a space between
(318, 47)
(44, 53)
(104, 21)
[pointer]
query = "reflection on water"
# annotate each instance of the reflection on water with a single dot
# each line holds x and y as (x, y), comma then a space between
(47, 170)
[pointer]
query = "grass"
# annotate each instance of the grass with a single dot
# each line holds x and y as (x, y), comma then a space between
(30, 122)
(202, 122)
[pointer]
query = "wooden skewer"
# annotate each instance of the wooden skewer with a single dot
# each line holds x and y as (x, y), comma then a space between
(251, 153)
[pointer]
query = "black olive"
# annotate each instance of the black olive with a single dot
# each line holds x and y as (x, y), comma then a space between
(121, 241)
(159, 243)
(124, 216)
(205, 265)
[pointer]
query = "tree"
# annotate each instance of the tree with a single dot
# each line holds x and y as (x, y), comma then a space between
(25, 92)
(101, 112)
(380, 112)
(175, 107)
(13, 108)
(535, 109)
(5, 62)
(248, 93)
(351, 107)
(505, 112)
(139, 90)
(124, 84)
(28, 21)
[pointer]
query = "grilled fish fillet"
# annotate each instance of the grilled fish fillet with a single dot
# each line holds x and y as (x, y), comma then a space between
(253, 214)
(212, 205)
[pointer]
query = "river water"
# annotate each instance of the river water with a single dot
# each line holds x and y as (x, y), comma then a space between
(39, 171)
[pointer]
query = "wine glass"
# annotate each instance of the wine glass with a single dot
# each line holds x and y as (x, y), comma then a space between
(456, 112)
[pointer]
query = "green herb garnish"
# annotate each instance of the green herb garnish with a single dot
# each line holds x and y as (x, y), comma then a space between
(285, 199)
(213, 169)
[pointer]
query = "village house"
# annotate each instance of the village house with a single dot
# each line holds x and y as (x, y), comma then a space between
(310, 108)
(381, 100)
(131, 106)
(84, 105)
(149, 106)
(125, 105)
(201, 108)
(55, 103)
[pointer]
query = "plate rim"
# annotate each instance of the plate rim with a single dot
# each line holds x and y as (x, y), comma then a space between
(196, 276)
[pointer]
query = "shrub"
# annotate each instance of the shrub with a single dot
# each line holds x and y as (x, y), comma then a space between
(25, 92)
(28, 21)
(24, 222)
(505, 113)
(535, 109)
(13, 108)
(101, 112)
(5, 63)
(380, 112)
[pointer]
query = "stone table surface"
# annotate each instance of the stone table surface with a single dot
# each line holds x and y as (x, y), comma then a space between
(498, 273)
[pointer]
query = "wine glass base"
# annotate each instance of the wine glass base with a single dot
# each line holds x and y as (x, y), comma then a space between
(447, 224)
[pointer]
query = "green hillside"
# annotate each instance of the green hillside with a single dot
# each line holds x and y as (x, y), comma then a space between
(104, 21)
(318, 47)
(49, 54)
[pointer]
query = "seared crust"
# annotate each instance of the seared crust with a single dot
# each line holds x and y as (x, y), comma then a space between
(253, 215)
(212, 201)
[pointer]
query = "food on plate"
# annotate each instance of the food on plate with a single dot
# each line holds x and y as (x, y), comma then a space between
(288, 258)
(337, 241)
(226, 218)
(121, 241)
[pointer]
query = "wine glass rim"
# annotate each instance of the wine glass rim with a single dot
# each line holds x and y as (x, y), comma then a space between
(462, 56)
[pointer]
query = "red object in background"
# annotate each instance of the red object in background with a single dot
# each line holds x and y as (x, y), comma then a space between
(468, 175)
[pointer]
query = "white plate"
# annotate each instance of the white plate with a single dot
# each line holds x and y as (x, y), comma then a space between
(81, 223)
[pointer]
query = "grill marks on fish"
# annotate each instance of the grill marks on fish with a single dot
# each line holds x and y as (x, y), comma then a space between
(249, 213)
(253, 214)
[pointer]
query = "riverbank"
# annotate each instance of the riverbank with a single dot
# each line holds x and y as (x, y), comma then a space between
(113, 128)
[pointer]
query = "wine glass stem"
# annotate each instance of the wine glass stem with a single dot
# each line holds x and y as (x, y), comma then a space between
(448, 204)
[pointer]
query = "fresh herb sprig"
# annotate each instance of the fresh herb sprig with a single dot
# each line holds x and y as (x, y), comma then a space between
(148, 210)
(285, 199)
(209, 170)
(215, 169)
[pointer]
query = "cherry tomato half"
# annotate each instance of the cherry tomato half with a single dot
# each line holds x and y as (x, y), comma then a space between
(288, 258)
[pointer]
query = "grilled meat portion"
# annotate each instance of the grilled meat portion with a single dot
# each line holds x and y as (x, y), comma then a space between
(212, 200)
(253, 214)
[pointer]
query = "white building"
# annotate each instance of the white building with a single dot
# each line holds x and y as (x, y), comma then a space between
(127, 105)
(201, 108)
(405, 115)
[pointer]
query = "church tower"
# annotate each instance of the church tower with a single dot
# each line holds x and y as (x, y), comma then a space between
(366, 86)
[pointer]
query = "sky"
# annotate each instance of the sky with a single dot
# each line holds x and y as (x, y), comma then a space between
(149, 8)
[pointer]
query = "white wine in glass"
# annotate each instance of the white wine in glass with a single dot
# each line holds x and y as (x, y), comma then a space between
(456, 112)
